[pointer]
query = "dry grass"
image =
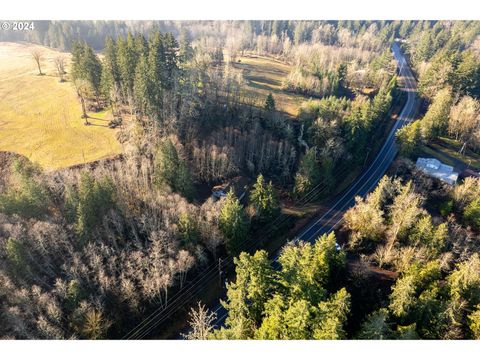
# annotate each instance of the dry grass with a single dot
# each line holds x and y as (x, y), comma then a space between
(265, 75)
(40, 117)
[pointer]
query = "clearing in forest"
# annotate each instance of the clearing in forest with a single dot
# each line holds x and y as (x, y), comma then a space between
(40, 117)
(265, 75)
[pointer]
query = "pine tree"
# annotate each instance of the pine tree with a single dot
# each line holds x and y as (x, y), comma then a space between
(467, 75)
(410, 139)
(185, 51)
(156, 65)
(341, 78)
(471, 214)
(143, 88)
(77, 60)
(172, 170)
(171, 61)
(16, 255)
(111, 72)
(233, 223)
(264, 198)
(435, 121)
(26, 196)
(269, 103)
(127, 62)
(474, 323)
(95, 198)
(308, 174)
(87, 66)
(247, 295)
(376, 326)
(188, 228)
(141, 45)
(92, 68)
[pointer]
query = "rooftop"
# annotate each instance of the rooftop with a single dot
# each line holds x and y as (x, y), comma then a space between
(437, 169)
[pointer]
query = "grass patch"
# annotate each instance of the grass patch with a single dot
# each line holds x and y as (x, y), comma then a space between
(40, 117)
(451, 147)
(265, 75)
(427, 151)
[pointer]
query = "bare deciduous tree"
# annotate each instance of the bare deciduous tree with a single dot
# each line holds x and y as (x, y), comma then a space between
(201, 323)
(37, 55)
(60, 62)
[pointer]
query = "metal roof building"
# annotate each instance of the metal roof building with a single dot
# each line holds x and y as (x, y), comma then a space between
(436, 169)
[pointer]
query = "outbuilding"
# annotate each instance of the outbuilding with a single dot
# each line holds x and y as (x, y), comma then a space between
(435, 168)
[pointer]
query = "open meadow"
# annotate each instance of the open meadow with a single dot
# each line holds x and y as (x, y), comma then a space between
(264, 75)
(40, 117)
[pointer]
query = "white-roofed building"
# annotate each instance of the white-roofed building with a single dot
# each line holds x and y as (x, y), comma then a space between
(437, 169)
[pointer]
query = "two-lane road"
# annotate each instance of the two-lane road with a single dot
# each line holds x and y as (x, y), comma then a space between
(369, 179)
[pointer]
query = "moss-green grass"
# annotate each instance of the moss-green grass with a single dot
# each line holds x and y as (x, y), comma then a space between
(452, 148)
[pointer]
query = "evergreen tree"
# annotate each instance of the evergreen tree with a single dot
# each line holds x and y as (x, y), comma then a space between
(290, 303)
(111, 72)
(127, 63)
(188, 228)
(467, 75)
(435, 121)
(172, 170)
(185, 50)
(464, 281)
(308, 174)
(143, 88)
(77, 60)
(87, 66)
(246, 297)
(95, 199)
(341, 78)
(269, 103)
(264, 198)
(141, 46)
(233, 223)
(471, 214)
(474, 323)
(93, 69)
(410, 139)
(331, 317)
(157, 65)
(26, 195)
(17, 256)
(376, 326)
(171, 61)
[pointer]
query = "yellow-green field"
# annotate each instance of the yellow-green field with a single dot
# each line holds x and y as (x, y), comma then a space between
(40, 117)
(265, 75)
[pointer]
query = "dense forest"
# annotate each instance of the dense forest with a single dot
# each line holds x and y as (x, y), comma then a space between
(90, 251)
(411, 233)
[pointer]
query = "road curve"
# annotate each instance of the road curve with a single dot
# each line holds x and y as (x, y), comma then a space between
(368, 180)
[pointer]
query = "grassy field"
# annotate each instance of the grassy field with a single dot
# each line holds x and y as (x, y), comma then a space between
(40, 117)
(265, 75)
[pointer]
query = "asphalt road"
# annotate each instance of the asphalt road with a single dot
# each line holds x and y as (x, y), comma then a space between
(368, 180)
